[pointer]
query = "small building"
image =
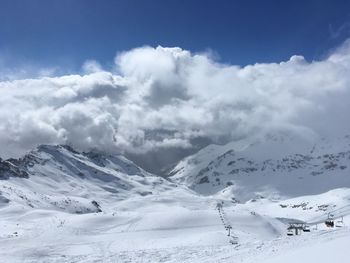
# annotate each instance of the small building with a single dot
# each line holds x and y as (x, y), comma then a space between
(296, 228)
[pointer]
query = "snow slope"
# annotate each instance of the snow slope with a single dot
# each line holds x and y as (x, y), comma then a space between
(175, 228)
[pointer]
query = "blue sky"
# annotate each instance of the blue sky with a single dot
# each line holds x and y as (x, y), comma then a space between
(65, 33)
(153, 99)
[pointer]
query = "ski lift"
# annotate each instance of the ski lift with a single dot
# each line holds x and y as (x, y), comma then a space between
(330, 221)
(306, 228)
(291, 230)
(228, 228)
(340, 223)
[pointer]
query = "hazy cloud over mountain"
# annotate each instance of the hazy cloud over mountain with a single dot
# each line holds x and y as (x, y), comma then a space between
(160, 98)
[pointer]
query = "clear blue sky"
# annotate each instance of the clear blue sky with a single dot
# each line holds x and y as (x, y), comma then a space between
(67, 32)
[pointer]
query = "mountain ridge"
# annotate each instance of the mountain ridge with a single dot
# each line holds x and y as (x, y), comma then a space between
(59, 172)
(252, 165)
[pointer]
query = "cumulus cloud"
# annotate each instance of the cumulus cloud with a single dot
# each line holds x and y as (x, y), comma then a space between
(168, 97)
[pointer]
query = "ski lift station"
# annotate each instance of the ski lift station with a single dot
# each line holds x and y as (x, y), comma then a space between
(297, 228)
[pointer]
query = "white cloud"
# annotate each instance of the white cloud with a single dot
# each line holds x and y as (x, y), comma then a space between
(165, 97)
(92, 66)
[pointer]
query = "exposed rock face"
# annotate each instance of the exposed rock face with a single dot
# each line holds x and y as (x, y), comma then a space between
(9, 169)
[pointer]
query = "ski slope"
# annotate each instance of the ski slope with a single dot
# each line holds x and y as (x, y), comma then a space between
(161, 232)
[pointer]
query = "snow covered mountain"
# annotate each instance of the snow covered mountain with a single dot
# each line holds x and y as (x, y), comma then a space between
(274, 166)
(58, 177)
(60, 205)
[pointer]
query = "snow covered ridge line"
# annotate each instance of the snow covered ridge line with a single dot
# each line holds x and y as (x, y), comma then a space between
(58, 177)
(273, 166)
(21, 167)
